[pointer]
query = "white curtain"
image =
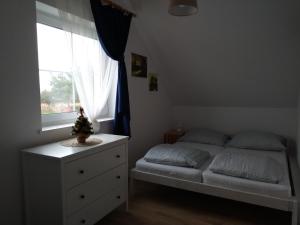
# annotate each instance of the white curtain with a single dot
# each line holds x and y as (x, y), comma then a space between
(93, 71)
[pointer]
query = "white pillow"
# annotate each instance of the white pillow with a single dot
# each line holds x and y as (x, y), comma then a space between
(204, 136)
(247, 166)
(257, 140)
(176, 156)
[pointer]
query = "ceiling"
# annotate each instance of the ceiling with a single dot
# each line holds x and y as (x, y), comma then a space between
(232, 53)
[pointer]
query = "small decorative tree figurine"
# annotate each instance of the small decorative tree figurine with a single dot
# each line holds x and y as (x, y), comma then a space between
(82, 128)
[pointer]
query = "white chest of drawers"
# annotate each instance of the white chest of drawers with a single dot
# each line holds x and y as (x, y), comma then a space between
(75, 186)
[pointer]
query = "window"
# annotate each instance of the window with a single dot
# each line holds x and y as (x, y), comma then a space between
(59, 98)
(57, 87)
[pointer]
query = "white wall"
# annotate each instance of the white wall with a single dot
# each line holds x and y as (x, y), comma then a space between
(234, 119)
(20, 109)
(149, 110)
(232, 53)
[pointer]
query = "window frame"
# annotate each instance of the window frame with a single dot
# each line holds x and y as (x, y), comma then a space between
(49, 16)
(55, 118)
(58, 118)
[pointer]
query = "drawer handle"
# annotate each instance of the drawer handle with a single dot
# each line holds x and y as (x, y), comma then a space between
(81, 171)
(118, 197)
(83, 221)
(118, 177)
(118, 156)
(82, 196)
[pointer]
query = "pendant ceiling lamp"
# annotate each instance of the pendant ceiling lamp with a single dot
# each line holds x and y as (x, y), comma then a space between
(183, 7)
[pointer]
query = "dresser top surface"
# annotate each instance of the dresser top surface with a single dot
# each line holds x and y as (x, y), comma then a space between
(57, 150)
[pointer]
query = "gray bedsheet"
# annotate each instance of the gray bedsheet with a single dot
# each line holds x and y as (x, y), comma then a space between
(177, 156)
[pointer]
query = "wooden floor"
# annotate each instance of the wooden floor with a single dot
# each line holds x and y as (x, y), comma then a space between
(160, 205)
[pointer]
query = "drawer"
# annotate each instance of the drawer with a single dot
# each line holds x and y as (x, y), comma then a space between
(91, 190)
(83, 169)
(98, 209)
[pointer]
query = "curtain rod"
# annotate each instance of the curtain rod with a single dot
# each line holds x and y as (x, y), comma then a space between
(116, 6)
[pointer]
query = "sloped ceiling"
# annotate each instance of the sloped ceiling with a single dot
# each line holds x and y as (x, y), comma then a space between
(232, 53)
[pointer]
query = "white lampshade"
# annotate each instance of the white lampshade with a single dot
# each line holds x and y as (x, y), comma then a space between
(183, 7)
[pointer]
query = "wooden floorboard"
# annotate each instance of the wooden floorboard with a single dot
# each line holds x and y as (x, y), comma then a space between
(158, 205)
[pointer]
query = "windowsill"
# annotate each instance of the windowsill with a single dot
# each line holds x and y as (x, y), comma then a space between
(69, 125)
(56, 127)
(105, 119)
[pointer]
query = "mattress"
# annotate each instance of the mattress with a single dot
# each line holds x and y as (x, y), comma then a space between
(282, 189)
(184, 173)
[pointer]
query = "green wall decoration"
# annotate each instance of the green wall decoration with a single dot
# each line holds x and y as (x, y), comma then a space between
(138, 65)
(153, 82)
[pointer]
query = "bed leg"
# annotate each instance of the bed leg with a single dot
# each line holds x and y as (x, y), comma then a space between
(295, 214)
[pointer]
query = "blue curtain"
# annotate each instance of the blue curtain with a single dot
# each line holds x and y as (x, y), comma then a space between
(113, 29)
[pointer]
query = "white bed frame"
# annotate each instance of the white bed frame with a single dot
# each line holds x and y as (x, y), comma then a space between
(286, 204)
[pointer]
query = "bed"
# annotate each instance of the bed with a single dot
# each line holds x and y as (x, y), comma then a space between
(202, 180)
